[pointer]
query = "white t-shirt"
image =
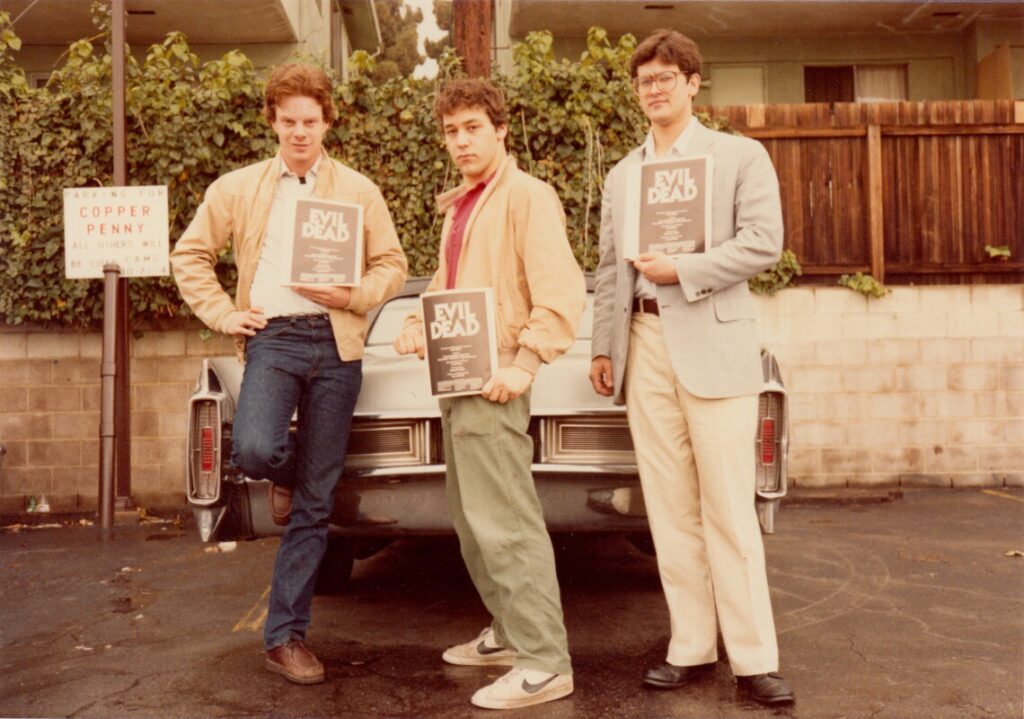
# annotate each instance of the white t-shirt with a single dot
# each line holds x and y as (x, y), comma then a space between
(268, 290)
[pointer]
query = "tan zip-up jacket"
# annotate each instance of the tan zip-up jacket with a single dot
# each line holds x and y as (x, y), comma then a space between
(515, 243)
(236, 209)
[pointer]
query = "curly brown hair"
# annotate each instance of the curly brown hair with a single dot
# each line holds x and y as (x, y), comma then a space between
(465, 93)
(669, 46)
(302, 80)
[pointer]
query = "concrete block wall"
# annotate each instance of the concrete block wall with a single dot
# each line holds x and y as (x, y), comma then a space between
(924, 387)
(50, 414)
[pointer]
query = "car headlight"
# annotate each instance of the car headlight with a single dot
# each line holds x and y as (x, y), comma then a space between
(586, 440)
(388, 443)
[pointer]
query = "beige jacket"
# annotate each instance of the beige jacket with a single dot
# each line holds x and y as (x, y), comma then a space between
(708, 319)
(236, 208)
(515, 243)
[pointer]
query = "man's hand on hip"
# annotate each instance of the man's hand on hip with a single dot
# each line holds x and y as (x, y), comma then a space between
(334, 297)
(506, 384)
(601, 375)
(410, 340)
(246, 323)
(657, 268)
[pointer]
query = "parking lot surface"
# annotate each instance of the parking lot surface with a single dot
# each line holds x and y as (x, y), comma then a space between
(911, 607)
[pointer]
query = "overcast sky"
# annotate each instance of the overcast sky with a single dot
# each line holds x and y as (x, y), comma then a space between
(428, 29)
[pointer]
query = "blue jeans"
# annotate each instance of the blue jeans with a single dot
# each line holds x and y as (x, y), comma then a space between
(293, 363)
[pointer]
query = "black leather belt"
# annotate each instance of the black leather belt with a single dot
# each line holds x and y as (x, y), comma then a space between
(295, 319)
(646, 306)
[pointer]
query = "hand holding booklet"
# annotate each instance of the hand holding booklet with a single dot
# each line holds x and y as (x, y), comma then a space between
(670, 212)
(460, 339)
(327, 244)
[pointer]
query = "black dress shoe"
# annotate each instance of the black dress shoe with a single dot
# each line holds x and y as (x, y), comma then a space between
(669, 676)
(769, 689)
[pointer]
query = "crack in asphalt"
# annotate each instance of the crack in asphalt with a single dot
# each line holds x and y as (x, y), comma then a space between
(108, 697)
(863, 657)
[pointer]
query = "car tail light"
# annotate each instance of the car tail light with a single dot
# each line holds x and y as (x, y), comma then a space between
(204, 451)
(767, 448)
(768, 440)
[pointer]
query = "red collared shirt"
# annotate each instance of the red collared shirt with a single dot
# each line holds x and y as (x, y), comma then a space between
(463, 209)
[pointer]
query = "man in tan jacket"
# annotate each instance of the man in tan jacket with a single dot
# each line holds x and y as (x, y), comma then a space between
(505, 230)
(302, 345)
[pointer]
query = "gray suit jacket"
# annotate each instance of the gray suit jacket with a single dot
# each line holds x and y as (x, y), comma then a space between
(708, 318)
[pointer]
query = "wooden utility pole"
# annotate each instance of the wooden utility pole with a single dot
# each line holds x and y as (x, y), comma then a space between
(472, 25)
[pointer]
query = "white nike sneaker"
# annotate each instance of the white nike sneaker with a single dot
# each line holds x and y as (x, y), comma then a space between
(480, 652)
(523, 688)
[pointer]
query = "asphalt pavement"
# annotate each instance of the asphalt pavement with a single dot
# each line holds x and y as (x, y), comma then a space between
(898, 606)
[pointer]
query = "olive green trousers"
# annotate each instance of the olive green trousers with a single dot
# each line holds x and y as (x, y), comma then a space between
(504, 541)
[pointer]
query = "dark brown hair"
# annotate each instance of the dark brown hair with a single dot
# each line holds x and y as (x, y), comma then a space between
(471, 93)
(297, 79)
(669, 46)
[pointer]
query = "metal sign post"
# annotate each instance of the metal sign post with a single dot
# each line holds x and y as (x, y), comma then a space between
(108, 373)
(121, 311)
(115, 233)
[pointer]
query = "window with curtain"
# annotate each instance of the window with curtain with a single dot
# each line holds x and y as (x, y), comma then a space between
(880, 83)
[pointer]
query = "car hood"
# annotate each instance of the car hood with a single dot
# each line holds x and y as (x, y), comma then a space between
(398, 385)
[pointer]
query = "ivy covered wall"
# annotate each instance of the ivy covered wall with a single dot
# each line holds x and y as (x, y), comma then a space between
(188, 123)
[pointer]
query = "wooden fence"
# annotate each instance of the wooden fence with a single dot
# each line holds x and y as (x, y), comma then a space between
(911, 192)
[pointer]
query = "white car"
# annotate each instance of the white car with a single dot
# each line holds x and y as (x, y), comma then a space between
(393, 483)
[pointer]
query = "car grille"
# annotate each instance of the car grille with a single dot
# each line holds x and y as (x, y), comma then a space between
(586, 440)
(388, 443)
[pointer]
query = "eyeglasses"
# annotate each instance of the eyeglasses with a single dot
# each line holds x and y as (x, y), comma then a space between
(664, 81)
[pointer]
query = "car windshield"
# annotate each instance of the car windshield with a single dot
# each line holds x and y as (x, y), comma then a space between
(391, 319)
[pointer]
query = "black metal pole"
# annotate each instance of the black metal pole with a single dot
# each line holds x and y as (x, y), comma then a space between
(108, 369)
(122, 382)
(122, 402)
(117, 38)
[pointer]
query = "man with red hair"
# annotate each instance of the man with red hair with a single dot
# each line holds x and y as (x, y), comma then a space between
(302, 346)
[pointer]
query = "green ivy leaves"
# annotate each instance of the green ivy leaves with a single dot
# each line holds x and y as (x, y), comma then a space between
(188, 123)
(784, 274)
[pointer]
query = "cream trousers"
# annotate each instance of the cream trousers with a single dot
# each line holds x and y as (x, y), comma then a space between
(696, 462)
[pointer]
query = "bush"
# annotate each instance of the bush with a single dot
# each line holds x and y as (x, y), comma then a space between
(782, 275)
(188, 123)
(865, 284)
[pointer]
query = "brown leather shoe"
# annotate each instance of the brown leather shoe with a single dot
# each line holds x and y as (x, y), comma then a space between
(280, 504)
(295, 662)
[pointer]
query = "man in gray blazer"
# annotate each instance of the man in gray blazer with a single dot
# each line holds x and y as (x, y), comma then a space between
(675, 340)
